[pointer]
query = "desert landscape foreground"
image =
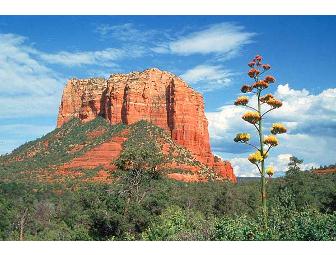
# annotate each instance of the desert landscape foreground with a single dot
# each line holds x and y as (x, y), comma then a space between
(130, 159)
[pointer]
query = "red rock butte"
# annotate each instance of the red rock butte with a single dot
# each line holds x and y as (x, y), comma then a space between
(152, 95)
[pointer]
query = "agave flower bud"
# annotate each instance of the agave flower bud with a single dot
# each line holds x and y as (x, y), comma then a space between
(266, 66)
(260, 85)
(242, 137)
(253, 72)
(251, 117)
(251, 64)
(265, 98)
(246, 89)
(278, 128)
(258, 58)
(270, 171)
(269, 79)
(271, 140)
(243, 100)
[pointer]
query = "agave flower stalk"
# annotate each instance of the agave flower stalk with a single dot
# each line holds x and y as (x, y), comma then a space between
(255, 116)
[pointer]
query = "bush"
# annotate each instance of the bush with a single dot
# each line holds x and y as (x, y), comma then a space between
(164, 209)
(178, 224)
(285, 222)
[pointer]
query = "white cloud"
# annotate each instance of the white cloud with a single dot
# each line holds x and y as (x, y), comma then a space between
(311, 120)
(243, 168)
(104, 57)
(107, 57)
(161, 48)
(223, 38)
(28, 87)
(310, 111)
(208, 77)
(126, 32)
(36, 60)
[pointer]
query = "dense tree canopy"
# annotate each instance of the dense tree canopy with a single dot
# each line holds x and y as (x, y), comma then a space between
(157, 208)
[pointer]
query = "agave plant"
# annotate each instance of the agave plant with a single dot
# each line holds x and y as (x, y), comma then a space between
(255, 116)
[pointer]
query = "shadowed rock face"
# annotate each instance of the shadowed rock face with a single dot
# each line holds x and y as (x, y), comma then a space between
(153, 95)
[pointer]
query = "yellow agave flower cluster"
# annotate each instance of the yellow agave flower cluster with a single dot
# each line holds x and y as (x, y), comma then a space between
(271, 140)
(271, 101)
(270, 170)
(243, 100)
(251, 117)
(278, 128)
(242, 137)
(275, 103)
(256, 157)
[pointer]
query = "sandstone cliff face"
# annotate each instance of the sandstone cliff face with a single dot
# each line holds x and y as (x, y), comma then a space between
(153, 95)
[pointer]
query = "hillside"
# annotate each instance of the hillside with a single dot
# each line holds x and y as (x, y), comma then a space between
(88, 152)
(328, 170)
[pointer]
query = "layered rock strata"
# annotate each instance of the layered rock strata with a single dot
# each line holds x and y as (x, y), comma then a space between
(153, 95)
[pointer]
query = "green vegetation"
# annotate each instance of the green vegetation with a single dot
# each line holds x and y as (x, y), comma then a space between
(141, 151)
(144, 150)
(143, 206)
(256, 118)
(57, 147)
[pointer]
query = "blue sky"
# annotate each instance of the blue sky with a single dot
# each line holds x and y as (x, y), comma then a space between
(39, 53)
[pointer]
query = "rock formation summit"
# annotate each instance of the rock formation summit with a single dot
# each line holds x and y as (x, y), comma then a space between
(156, 96)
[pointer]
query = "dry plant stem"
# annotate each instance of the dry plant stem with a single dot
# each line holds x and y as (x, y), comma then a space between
(252, 146)
(258, 168)
(256, 118)
(256, 128)
(251, 107)
(263, 179)
(267, 111)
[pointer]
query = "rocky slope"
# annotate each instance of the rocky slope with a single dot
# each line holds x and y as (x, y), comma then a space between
(329, 170)
(87, 152)
(158, 97)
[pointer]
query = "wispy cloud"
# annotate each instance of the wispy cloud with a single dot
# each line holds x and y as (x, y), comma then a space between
(208, 77)
(310, 119)
(104, 57)
(107, 57)
(39, 60)
(28, 87)
(127, 32)
(222, 39)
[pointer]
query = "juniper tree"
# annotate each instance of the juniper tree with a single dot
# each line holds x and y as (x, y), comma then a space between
(294, 165)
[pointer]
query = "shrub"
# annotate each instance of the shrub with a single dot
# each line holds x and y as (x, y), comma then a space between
(178, 224)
